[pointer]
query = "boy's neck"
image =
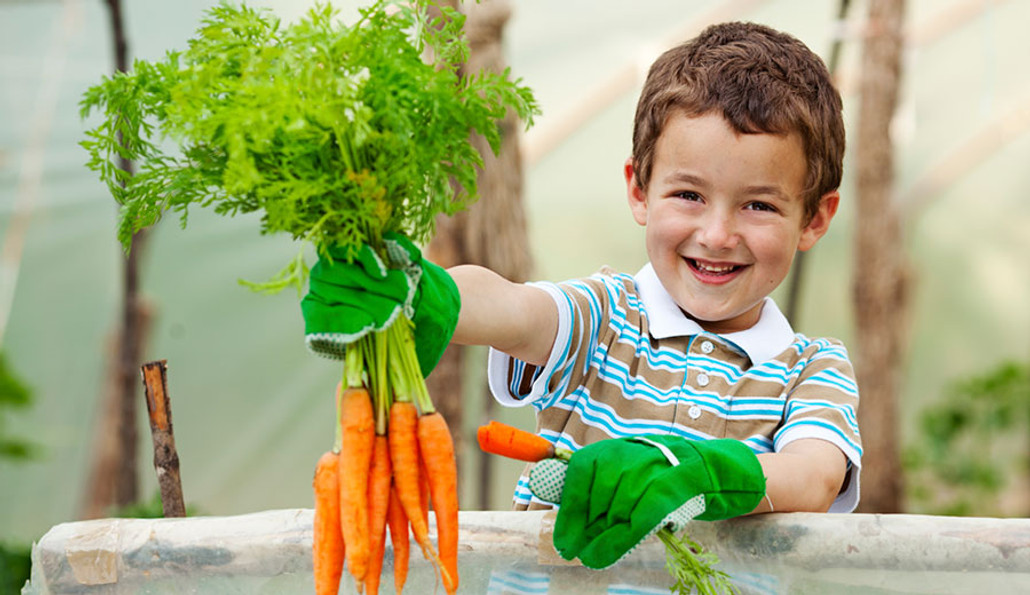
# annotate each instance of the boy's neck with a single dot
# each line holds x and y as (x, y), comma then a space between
(736, 325)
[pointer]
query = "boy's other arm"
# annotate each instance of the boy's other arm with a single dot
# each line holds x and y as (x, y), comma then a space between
(520, 320)
(805, 476)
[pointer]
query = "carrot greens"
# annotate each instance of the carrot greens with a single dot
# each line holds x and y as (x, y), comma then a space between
(333, 133)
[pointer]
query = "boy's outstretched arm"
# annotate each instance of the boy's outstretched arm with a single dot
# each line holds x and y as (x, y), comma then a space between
(520, 320)
(805, 476)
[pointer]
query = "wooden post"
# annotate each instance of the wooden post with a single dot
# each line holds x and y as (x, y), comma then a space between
(881, 278)
(166, 459)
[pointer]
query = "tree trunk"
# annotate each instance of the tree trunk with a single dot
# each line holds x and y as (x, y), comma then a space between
(492, 232)
(881, 278)
(112, 480)
(113, 477)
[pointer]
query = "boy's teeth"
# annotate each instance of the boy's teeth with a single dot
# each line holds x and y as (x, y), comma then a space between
(714, 269)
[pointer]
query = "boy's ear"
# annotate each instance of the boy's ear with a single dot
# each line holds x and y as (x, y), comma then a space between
(820, 223)
(636, 195)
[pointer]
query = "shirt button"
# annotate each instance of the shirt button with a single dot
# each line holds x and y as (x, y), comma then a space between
(707, 347)
(694, 412)
(702, 379)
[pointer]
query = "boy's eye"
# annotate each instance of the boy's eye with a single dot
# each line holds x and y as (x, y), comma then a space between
(761, 206)
(688, 195)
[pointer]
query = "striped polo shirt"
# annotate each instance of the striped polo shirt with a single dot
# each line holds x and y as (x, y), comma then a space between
(626, 361)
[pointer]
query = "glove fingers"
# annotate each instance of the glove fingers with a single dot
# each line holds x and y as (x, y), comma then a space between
(338, 314)
(633, 485)
(334, 282)
(570, 527)
(598, 492)
(611, 545)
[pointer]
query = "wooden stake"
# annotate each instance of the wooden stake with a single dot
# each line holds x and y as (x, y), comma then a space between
(166, 459)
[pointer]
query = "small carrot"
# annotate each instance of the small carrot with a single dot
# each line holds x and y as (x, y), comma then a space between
(399, 538)
(507, 441)
(437, 448)
(328, 547)
(423, 488)
(378, 501)
(355, 460)
(404, 455)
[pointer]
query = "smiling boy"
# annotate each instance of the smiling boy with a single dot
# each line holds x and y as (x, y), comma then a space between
(685, 378)
(737, 158)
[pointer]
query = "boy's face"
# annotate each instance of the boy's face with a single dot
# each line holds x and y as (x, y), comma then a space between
(724, 217)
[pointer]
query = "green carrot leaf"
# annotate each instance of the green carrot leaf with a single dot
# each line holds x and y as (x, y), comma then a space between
(693, 568)
(334, 134)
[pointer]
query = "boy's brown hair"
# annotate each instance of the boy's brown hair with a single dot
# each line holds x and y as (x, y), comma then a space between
(761, 81)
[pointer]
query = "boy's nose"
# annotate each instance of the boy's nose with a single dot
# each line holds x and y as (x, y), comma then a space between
(718, 232)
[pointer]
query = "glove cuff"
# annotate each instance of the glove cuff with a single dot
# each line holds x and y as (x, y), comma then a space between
(435, 314)
(333, 345)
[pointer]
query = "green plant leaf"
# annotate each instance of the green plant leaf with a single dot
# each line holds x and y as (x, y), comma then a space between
(334, 133)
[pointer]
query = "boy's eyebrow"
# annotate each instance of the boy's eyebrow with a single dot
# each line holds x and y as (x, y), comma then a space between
(682, 176)
(753, 190)
(765, 190)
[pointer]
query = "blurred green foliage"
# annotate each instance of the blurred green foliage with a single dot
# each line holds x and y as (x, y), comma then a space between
(15, 559)
(974, 442)
(13, 395)
(15, 564)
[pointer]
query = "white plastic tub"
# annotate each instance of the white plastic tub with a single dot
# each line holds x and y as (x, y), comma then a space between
(510, 552)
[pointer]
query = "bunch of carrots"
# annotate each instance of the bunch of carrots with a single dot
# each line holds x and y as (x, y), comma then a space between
(392, 456)
(335, 134)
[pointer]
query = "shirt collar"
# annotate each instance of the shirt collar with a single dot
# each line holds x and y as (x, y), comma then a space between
(765, 340)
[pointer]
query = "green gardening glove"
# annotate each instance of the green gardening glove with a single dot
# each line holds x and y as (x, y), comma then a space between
(619, 492)
(346, 300)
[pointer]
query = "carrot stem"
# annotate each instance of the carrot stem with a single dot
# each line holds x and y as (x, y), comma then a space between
(406, 367)
(354, 365)
(382, 390)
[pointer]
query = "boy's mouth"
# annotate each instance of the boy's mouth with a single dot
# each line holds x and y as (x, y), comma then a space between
(713, 270)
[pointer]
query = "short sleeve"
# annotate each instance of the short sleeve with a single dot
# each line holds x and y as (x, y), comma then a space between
(824, 405)
(584, 312)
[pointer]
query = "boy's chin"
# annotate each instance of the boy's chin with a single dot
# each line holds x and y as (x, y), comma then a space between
(722, 323)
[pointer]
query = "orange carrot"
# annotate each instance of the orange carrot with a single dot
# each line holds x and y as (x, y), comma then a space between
(399, 538)
(437, 449)
(327, 548)
(355, 460)
(404, 454)
(378, 502)
(507, 441)
(423, 488)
